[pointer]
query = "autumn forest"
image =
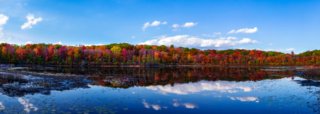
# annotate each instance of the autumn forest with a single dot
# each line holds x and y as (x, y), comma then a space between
(127, 54)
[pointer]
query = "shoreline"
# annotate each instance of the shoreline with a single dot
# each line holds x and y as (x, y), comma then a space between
(158, 66)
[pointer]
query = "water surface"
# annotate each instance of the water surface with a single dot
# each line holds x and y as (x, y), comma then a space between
(159, 90)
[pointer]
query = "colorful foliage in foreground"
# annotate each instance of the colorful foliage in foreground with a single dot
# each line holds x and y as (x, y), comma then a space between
(123, 53)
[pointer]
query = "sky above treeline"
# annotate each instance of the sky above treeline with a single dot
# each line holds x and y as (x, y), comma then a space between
(277, 25)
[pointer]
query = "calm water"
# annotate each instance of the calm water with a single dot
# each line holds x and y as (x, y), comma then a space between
(160, 90)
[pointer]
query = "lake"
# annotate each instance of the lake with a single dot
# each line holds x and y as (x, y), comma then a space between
(187, 90)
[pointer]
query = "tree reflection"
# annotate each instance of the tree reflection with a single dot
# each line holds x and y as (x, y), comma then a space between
(127, 77)
(21, 82)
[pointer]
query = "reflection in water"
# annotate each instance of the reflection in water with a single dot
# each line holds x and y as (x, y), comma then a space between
(2, 107)
(188, 88)
(124, 78)
(189, 105)
(27, 105)
(153, 106)
(159, 90)
(245, 99)
(313, 90)
(31, 81)
(176, 103)
(314, 83)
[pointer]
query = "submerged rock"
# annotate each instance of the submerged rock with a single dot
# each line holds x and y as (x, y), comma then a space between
(20, 84)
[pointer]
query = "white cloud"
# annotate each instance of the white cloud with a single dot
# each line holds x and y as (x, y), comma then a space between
(153, 24)
(244, 30)
(31, 21)
(245, 99)
(175, 26)
(214, 34)
(9, 37)
(246, 41)
(189, 24)
(283, 50)
(290, 49)
(28, 42)
(27, 105)
(193, 41)
(3, 20)
(59, 43)
(185, 25)
(189, 88)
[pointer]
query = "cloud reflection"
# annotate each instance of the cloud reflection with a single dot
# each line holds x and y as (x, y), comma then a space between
(153, 106)
(245, 99)
(27, 105)
(188, 88)
(2, 107)
(176, 103)
(189, 105)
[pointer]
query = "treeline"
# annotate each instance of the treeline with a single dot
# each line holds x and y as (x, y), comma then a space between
(127, 54)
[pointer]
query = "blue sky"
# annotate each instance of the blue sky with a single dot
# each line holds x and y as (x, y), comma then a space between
(281, 25)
